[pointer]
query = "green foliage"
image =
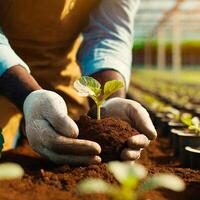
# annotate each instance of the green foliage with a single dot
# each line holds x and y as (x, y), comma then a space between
(186, 119)
(88, 86)
(195, 125)
(10, 171)
(192, 123)
(110, 87)
(1, 141)
(132, 180)
(91, 83)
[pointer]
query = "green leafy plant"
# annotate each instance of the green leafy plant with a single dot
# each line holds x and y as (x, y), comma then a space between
(133, 182)
(89, 87)
(195, 125)
(174, 114)
(9, 170)
(186, 119)
(192, 123)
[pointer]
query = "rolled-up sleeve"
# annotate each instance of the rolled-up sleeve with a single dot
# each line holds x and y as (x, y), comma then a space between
(8, 57)
(108, 38)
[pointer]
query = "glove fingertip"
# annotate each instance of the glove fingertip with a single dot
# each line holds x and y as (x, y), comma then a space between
(129, 154)
(97, 148)
(71, 128)
(96, 160)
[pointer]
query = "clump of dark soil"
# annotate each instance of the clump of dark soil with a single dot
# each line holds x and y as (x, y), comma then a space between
(111, 134)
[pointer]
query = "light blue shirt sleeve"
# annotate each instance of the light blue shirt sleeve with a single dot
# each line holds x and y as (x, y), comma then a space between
(108, 38)
(8, 57)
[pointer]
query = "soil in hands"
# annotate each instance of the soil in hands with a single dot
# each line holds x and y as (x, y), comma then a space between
(45, 181)
(111, 134)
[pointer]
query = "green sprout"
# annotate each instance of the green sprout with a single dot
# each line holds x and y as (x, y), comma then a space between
(133, 182)
(192, 123)
(9, 171)
(174, 114)
(89, 87)
(186, 119)
(195, 125)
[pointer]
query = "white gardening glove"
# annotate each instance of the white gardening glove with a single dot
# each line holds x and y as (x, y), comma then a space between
(51, 132)
(137, 116)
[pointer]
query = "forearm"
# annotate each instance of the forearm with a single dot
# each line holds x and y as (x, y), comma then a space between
(108, 40)
(16, 84)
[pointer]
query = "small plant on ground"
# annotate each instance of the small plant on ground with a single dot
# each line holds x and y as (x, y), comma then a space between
(193, 124)
(9, 170)
(89, 87)
(133, 182)
(177, 116)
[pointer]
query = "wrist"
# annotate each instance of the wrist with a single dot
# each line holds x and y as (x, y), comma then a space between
(16, 84)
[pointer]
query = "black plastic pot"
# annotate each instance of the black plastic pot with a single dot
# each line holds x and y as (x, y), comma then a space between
(164, 127)
(175, 125)
(152, 115)
(185, 139)
(194, 156)
(175, 141)
(161, 123)
(157, 119)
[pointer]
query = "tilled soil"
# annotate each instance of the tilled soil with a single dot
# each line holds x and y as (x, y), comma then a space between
(45, 181)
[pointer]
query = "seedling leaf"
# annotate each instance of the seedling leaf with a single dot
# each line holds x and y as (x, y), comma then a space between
(112, 86)
(195, 121)
(187, 120)
(162, 180)
(127, 174)
(10, 171)
(88, 86)
(93, 185)
(83, 90)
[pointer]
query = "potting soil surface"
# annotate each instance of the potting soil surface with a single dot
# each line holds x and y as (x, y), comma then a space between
(45, 181)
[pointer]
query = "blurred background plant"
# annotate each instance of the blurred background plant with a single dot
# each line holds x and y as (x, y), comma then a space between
(133, 182)
(9, 170)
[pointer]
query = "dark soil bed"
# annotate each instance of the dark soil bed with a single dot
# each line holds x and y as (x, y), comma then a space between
(45, 181)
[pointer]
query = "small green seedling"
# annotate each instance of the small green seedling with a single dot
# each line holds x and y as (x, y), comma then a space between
(178, 116)
(193, 124)
(89, 87)
(133, 182)
(9, 171)
(186, 119)
(173, 113)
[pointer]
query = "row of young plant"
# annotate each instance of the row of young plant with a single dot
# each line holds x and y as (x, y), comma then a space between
(181, 127)
(179, 95)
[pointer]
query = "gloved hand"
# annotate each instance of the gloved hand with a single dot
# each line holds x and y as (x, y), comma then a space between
(137, 116)
(51, 132)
